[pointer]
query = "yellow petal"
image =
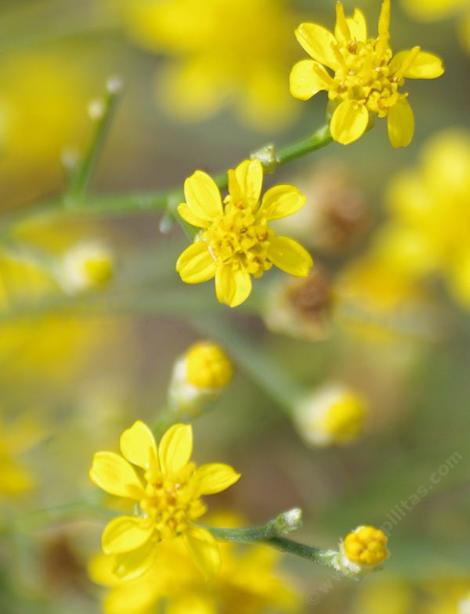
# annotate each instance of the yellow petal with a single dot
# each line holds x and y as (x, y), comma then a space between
(115, 476)
(214, 478)
(175, 448)
(196, 264)
(127, 598)
(384, 20)
(204, 550)
(349, 122)
(342, 31)
(126, 533)
(424, 65)
(203, 196)
(318, 42)
(281, 201)
(401, 124)
(133, 564)
(188, 216)
(138, 446)
(307, 78)
(358, 26)
(191, 603)
(100, 569)
(289, 256)
(232, 286)
(246, 181)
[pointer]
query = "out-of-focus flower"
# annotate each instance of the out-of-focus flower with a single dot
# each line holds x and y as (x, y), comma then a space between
(87, 266)
(361, 75)
(43, 96)
(167, 488)
(199, 376)
(362, 550)
(433, 10)
(16, 438)
(235, 241)
(338, 216)
(248, 583)
(301, 308)
(220, 52)
(430, 221)
(333, 414)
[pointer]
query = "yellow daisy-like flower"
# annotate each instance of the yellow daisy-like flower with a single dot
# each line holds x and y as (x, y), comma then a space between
(235, 241)
(361, 75)
(167, 488)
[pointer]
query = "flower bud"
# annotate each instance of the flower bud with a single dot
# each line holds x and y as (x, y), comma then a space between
(333, 414)
(199, 376)
(289, 521)
(88, 266)
(362, 550)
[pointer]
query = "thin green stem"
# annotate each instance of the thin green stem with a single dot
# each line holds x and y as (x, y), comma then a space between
(101, 112)
(318, 140)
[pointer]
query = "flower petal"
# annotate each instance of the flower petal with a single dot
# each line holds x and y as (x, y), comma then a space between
(289, 256)
(188, 216)
(246, 181)
(204, 549)
(115, 476)
(133, 564)
(175, 448)
(401, 124)
(349, 122)
(424, 65)
(126, 533)
(281, 201)
(203, 196)
(100, 570)
(318, 42)
(214, 478)
(307, 78)
(196, 264)
(232, 286)
(342, 32)
(138, 446)
(358, 26)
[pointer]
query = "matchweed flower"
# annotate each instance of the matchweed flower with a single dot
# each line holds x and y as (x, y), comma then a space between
(333, 414)
(248, 581)
(88, 266)
(301, 308)
(167, 489)
(235, 241)
(362, 550)
(430, 224)
(361, 75)
(199, 376)
(219, 52)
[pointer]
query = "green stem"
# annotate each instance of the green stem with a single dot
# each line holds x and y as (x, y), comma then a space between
(137, 202)
(104, 113)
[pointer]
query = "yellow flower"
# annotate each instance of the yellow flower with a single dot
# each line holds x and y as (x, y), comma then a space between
(235, 241)
(333, 414)
(430, 222)
(167, 488)
(219, 52)
(248, 583)
(362, 550)
(361, 75)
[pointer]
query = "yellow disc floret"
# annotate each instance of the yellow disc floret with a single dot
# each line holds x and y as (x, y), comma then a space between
(366, 546)
(207, 366)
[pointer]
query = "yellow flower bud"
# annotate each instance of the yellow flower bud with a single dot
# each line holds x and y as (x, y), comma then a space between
(208, 366)
(333, 414)
(199, 376)
(362, 550)
(86, 267)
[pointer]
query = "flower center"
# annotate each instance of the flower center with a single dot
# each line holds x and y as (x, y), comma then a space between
(170, 504)
(364, 75)
(241, 237)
